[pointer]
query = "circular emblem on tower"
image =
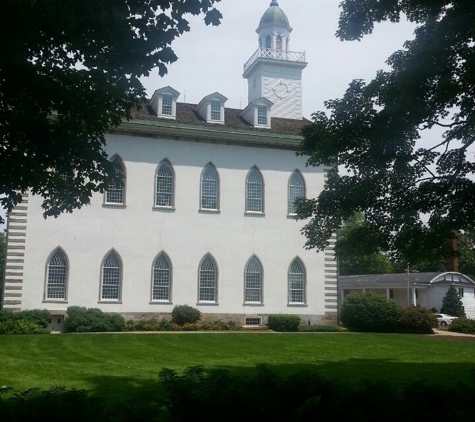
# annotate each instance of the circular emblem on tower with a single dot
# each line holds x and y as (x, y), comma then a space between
(281, 90)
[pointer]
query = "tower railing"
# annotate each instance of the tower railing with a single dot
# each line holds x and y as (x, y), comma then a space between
(270, 53)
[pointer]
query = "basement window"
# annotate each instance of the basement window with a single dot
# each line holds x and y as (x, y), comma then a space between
(253, 321)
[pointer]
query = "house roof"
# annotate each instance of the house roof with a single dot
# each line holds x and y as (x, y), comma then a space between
(400, 279)
(186, 114)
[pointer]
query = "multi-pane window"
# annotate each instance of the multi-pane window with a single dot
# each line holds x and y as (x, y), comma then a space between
(215, 110)
(57, 276)
(161, 286)
(254, 191)
(209, 188)
(208, 279)
(262, 115)
(115, 193)
(253, 281)
(297, 282)
(111, 277)
(167, 102)
(278, 43)
(296, 190)
(164, 185)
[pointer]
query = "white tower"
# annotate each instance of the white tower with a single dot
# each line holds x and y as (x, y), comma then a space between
(273, 71)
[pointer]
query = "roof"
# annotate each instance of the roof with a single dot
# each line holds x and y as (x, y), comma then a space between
(274, 16)
(400, 279)
(186, 114)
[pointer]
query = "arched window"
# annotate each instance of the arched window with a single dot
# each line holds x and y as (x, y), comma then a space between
(56, 276)
(254, 191)
(297, 282)
(165, 185)
(115, 193)
(278, 43)
(162, 278)
(111, 277)
(296, 190)
(253, 281)
(209, 188)
(268, 42)
(208, 280)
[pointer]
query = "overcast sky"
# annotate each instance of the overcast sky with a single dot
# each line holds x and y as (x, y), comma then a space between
(211, 58)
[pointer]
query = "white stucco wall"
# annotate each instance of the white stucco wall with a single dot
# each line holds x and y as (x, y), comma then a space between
(139, 232)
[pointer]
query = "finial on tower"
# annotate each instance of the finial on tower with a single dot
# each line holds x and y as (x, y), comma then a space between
(274, 3)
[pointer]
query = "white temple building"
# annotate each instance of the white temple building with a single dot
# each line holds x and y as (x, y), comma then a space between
(205, 215)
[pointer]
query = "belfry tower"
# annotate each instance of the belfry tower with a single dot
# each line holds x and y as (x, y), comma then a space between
(273, 71)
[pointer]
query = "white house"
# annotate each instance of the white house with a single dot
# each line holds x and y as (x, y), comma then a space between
(204, 216)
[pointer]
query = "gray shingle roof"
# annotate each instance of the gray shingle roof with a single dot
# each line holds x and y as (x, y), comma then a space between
(185, 114)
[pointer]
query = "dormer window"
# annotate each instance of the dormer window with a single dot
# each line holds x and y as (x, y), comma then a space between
(163, 102)
(167, 103)
(216, 110)
(258, 113)
(262, 115)
(211, 108)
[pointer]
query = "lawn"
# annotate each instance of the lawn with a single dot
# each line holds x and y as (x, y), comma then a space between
(114, 364)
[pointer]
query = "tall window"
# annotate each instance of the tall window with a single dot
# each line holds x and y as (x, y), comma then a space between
(262, 115)
(209, 188)
(296, 190)
(297, 283)
(111, 277)
(253, 281)
(268, 42)
(215, 110)
(208, 280)
(254, 191)
(162, 277)
(57, 275)
(167, 102)
(278, 43)
(165, 185)
(115, 193)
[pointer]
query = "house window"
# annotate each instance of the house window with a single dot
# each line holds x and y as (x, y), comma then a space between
(278, 43)
(115, 193)
(262, 115)
(161, 279)
(167, 103)
(253, 321)
(253, 281)
(208, 279)
(215, 110)
(297, 282)
(57, 275)
(391, 294)
(209, 188)
(111, 277)
(296, 190)
(254, 191)
(460, 291)
(268, 42)
(164, 193)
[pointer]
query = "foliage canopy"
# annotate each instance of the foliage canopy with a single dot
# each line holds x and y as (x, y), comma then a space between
(414, 194)
(70, 70)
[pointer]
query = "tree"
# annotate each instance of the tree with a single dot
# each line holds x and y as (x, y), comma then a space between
(451, 303)
(415, 194)
(69, 71)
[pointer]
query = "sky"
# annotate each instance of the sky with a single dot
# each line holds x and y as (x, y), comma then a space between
(211, 58)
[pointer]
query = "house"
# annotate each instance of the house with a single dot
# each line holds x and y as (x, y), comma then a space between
(425, 289)
(204, 215)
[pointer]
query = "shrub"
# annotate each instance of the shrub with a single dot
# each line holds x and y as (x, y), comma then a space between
(463, 325)
(184, 314)
(82, 320)
(324, 328)
(21, 326)
(284, 323)
(368, 312)
(41, 317)
(416, 321)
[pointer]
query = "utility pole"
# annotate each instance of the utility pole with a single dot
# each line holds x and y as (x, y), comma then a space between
(408, 296)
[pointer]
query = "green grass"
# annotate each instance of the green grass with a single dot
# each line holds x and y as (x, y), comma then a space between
(114, 364)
